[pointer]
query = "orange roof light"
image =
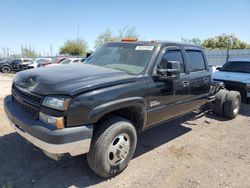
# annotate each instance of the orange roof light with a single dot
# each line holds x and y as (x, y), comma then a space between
(129, 40)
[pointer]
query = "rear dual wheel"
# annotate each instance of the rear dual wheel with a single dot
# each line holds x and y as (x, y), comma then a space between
(227, 103)
(232, 104)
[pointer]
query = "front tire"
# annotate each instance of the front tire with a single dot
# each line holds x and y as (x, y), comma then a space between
(113, 145)
(6, 69)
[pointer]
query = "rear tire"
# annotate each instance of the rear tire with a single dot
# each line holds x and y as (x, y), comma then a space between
(6, 69)
(232, 104)
(218, 106)
(113, 145)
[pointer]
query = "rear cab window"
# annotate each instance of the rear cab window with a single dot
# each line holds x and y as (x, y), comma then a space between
(196, 61)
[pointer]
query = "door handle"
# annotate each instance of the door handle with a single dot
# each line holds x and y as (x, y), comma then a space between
(185, 83)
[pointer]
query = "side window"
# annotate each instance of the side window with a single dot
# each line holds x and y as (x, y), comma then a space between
(195, 60)
(17, 61)
(173, 55)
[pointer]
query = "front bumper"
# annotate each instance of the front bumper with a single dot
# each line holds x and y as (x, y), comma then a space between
(75, 140)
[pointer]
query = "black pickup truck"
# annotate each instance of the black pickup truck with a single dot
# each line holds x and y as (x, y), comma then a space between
(123, 88)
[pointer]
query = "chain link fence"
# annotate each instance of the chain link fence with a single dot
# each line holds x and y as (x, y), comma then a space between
(218, 57)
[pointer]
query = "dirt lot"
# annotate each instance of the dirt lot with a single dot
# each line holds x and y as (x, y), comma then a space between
(198, 150)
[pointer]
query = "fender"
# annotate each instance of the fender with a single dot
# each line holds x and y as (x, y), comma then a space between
(106, 108)
(6, 64)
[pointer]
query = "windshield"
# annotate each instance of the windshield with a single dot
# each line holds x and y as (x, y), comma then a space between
(65, 61)
(236, 66)
(131, 58)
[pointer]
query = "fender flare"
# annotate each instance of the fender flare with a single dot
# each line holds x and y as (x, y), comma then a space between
(111, 106)
(6, 64)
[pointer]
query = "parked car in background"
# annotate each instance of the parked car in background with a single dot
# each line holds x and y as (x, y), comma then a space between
(15, 64)
(236, 76)
(4, 65)
(213, 68)
(55, 60)
(39, 61)
(69, 61)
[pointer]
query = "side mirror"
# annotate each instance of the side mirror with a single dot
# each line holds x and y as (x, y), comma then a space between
(172, 71)
(218, 68)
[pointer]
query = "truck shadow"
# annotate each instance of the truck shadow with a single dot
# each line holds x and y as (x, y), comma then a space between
(22, 165)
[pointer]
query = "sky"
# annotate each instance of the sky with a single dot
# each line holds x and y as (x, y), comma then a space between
(41, 23)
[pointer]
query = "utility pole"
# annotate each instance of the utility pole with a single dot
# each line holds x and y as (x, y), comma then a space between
(3, 52)
(51, 50)
(21, 50)
(7, 52)
(228, 48)
(77, 34)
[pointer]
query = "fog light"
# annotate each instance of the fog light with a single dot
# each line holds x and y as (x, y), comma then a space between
(56, 121)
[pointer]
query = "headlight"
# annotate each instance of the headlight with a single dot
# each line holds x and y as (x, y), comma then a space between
(56, 121)
(58, 103)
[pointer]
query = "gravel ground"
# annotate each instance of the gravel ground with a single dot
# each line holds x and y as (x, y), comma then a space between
(198, 150)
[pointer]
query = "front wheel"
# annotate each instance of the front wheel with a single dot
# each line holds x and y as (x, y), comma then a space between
(112, 147)
(6, 69)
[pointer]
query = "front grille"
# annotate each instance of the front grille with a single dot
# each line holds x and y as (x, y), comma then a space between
(27, 102)
(31, 98)
(28, 110)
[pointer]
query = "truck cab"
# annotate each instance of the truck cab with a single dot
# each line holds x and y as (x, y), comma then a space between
(100, 106)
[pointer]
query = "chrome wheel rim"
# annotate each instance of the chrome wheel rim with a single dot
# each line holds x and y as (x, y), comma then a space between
(236, 106)
(119, 149)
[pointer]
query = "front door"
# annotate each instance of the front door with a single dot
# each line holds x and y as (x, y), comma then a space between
(168, 98)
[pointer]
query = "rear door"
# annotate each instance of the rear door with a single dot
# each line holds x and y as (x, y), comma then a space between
(200, 78)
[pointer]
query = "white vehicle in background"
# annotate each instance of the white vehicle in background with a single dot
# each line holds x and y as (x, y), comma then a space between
(213, 68)
(69, 61)
(37, 61)
(236, 76)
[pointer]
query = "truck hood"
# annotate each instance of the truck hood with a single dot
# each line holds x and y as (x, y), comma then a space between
(231, 76)
(70, 79)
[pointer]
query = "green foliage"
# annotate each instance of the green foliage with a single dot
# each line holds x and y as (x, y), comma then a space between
(109, 36)
(223, 41)
(192, 41)
(106, 36)
(76, 47)
(128, 32)
(28, 53)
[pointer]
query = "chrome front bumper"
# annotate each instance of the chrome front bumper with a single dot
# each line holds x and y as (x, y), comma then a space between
(73, 148)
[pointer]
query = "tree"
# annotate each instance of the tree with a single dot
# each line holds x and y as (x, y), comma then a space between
(192, 41)
(74, 47)
(109, 36)
(223, 41)
(106, 36)
(128, 32)
(29, 53)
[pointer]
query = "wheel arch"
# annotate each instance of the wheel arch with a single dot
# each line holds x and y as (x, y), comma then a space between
(133, 109)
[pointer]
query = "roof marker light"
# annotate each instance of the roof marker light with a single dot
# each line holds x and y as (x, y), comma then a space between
(129, 39)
